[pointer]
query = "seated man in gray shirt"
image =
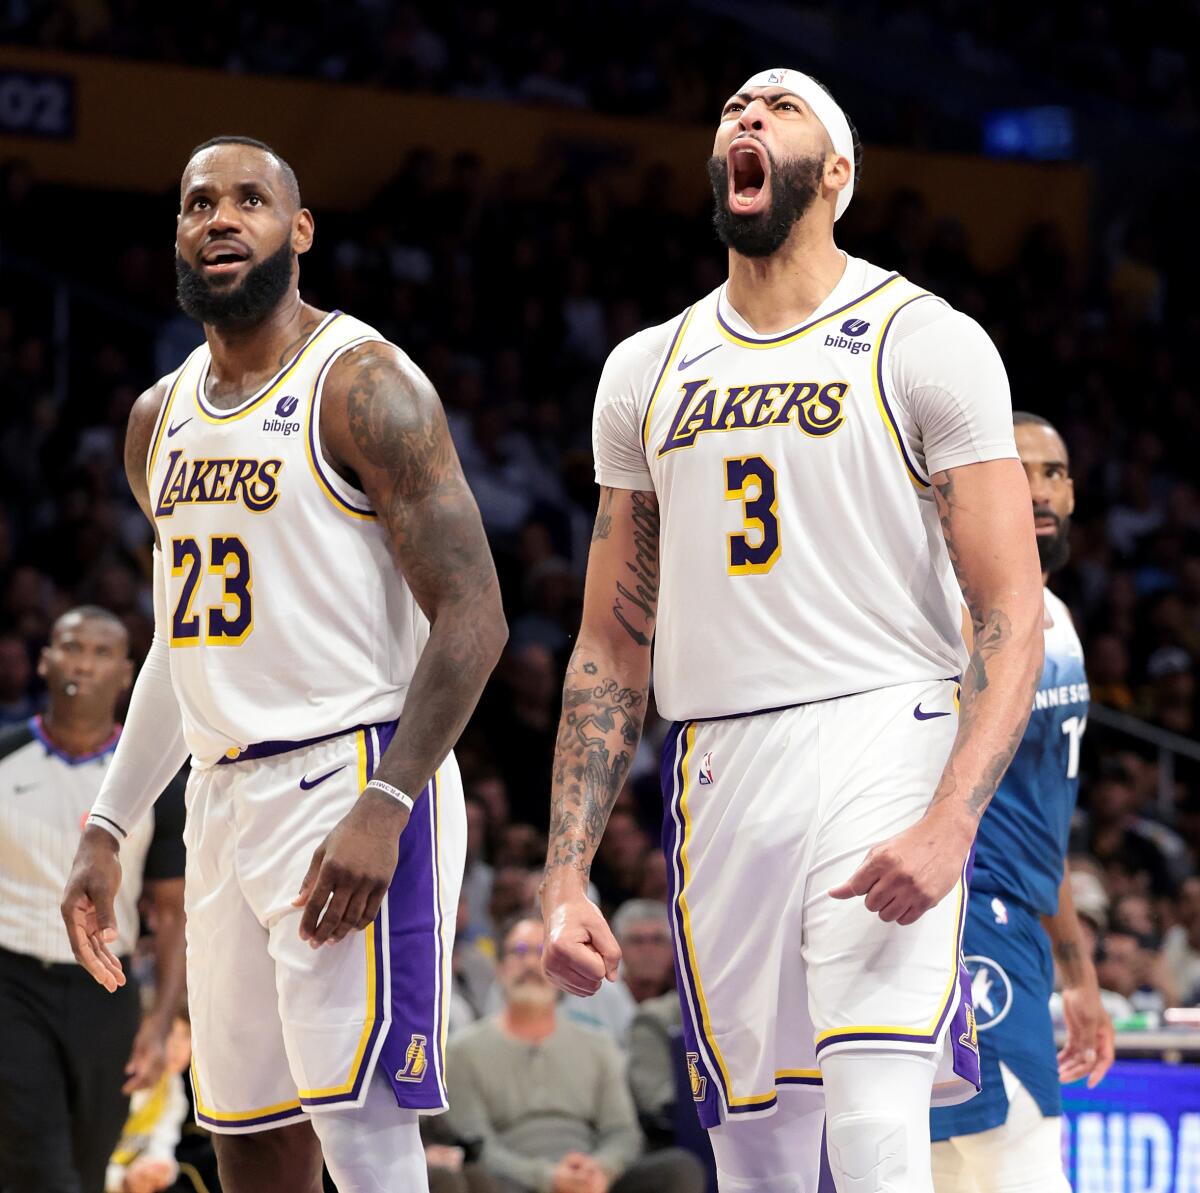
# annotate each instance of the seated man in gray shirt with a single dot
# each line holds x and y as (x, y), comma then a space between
(548, 1099)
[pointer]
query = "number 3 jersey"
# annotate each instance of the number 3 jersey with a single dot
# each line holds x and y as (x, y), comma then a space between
(801, 557)
(287, 618)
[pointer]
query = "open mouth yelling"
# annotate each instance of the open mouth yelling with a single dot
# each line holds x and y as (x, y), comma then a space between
(223, 257)
(749, 177)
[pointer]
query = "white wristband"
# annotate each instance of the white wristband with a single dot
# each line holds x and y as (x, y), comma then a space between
(394, 792)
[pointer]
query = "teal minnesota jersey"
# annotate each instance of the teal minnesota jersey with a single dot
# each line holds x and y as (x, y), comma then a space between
(1022, 840)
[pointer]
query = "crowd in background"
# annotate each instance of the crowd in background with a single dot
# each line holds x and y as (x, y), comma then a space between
(658, 57)
(510, 291)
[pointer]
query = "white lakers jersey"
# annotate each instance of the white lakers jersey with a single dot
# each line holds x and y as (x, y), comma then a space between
(800, 552)
(287, 617)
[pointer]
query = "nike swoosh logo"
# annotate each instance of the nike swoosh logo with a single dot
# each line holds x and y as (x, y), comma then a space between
(927, 716)
(177, 427)
(687, 364)
(307, 784)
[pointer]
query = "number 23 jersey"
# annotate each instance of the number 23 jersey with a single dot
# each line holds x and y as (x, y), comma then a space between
(800, 553)
(286, 615)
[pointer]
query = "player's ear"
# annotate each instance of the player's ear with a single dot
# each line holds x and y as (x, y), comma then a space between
(1070, 495)
(126, 675)
(43, 665)
(837, 171)
(303, 227)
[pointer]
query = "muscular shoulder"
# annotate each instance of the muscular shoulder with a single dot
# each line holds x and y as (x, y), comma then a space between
(375, 397)
(138, 435)
(930, 327)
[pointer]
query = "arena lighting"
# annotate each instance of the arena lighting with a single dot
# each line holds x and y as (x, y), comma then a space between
(1043, 134)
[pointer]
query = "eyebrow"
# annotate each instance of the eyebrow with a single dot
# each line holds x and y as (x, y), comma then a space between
(248, 184)
(771, 99)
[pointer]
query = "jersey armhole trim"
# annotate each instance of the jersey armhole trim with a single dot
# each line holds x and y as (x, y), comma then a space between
(340, 493)
(918, 479)
(676, 342)
(163, 414)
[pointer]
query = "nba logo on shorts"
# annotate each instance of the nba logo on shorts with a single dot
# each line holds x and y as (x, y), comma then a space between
(706, 775)
(415, 1061)
(999, 911)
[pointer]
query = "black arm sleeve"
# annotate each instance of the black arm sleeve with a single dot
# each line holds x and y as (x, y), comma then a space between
(165, 857)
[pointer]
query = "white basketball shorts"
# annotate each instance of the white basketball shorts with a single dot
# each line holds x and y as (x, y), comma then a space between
(764, 815)
(280, 1029)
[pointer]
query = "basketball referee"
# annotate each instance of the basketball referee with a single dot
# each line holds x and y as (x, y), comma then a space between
(70, 1053)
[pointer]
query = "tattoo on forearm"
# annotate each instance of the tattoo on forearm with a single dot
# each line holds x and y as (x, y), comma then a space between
(637, 617)
(437, 539)
(992, 635)
(597, 737)
(1067, 951)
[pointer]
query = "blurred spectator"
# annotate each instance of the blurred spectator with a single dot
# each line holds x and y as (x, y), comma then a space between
(549, 1099)
(144, 1158)
(1121, 839)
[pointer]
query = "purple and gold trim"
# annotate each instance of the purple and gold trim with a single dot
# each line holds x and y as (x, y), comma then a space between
(668, 360)
(786, 337)
(164, 414)
(376, 1018)
(919, 480)
(949, 1003)
(328, 482)
(213, 415)
(713, 1090)
(263, 1118)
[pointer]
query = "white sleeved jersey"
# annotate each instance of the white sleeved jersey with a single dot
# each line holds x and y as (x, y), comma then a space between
(800, 553)
(288, 619)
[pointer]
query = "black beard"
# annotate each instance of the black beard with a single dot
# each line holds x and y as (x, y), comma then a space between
(795, 183)
(242, 305)
(1055, 549)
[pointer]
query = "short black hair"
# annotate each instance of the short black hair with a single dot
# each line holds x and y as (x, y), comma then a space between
(91, 613)
(1023, 418)
(289, 175)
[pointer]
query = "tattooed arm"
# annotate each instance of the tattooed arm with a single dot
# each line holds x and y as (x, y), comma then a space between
(604, 702)
(383, 429)
(1089, 1047)
(987, 522)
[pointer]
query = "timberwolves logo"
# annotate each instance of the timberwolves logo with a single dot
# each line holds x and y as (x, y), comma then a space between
(699, 1084)
(991, 991)
(415, 1062)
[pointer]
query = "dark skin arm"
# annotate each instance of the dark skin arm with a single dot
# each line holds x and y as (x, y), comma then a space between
(604, 704)
(987, 523)
(148, 1057)
(384, 430)
(87, 905)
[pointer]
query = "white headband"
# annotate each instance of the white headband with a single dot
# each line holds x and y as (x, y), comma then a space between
(825, 110)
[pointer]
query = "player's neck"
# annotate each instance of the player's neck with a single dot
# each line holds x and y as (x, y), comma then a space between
(77, 732)
(243, 356)
(531, 1024)
(777, 292)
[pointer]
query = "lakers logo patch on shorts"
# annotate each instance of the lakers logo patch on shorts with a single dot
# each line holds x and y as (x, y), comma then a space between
(415, 1060)
(699, 1083)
